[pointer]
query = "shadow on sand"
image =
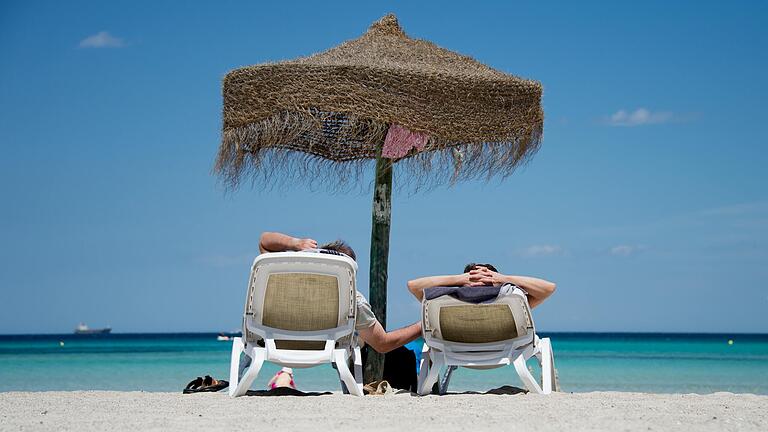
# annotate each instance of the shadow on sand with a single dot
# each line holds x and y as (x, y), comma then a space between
(287, 391)
(503, 390)
(284, 391)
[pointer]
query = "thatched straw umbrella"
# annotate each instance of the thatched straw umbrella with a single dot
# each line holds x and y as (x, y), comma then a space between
(439, 116)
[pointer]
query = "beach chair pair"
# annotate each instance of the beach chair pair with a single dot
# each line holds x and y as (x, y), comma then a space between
(300, 312)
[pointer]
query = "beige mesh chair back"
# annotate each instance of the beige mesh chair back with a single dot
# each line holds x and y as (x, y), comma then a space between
(299, 312)
(485, 335)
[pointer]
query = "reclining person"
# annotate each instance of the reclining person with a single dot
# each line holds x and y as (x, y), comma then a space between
(368, 328)
(537, 290)
(477, 275)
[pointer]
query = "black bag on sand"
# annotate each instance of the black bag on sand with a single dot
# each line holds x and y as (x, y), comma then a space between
(399, 368)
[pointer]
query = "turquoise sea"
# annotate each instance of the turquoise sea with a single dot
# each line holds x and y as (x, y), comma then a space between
(661, 363)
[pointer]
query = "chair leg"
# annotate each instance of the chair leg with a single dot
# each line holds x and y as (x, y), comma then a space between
(548, 373)
(525, 375)
(358, 368)
(429, 373)
(234, 364)
(423, 368)
(345, 375)
(257, 354)
(442, 385)
(545, 360)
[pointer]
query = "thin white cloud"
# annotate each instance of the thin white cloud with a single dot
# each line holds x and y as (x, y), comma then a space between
(639, 117)
(541, 251)
(102, 40)
(626, 250)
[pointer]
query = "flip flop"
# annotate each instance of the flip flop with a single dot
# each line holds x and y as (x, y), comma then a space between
(211, 384)
(193, 386)
(205, 385)
(207, 381)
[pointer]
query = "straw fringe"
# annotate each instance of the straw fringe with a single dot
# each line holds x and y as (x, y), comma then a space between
(292, 147)
(318, 119)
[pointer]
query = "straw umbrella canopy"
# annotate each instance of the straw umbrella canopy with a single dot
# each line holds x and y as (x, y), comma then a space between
(439, 116)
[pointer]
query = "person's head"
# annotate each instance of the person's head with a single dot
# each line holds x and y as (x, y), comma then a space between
(473, 266)
(340, 246)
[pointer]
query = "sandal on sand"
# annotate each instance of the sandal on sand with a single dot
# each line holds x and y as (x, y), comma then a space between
(211, 384)
(378, 388)
(207, 384)
(193, 385)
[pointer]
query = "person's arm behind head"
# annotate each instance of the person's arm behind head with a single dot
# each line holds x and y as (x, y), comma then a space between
(417, 286)
(279, 242)
(538, 289)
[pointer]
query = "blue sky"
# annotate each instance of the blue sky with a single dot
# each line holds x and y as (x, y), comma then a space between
(647, 202)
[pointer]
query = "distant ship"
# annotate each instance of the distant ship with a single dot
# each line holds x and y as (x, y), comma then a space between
(83, 329)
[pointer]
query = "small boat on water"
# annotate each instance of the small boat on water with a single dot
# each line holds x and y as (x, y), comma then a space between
(223, 338)
(84, 329)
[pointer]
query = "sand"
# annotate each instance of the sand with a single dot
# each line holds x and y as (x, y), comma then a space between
(141, 411)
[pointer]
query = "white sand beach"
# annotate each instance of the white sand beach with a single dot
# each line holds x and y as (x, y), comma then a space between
(141, 411)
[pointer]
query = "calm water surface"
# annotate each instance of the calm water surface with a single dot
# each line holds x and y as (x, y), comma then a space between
(667, 363)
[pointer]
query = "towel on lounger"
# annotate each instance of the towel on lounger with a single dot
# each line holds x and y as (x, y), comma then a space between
(467, 294)
(475, 295)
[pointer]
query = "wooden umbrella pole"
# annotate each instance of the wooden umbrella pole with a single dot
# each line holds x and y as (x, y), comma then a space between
(382, 212)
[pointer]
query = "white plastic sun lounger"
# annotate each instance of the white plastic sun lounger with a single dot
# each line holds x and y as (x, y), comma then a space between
(483, 336)
(299, 312)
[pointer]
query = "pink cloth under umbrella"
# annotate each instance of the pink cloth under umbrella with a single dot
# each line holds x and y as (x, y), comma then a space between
(400, 141)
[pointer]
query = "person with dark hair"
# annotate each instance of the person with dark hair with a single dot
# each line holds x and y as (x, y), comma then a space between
(340, 246)
(473, 266)
(367, 326)
(400, 363)
(476, 274)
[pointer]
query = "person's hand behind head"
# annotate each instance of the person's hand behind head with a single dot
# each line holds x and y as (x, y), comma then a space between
(486, 277)
(471, 280)
(303, 244)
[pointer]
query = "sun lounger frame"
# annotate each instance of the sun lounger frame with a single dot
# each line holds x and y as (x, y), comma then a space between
(439, 354)
(340, 345)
